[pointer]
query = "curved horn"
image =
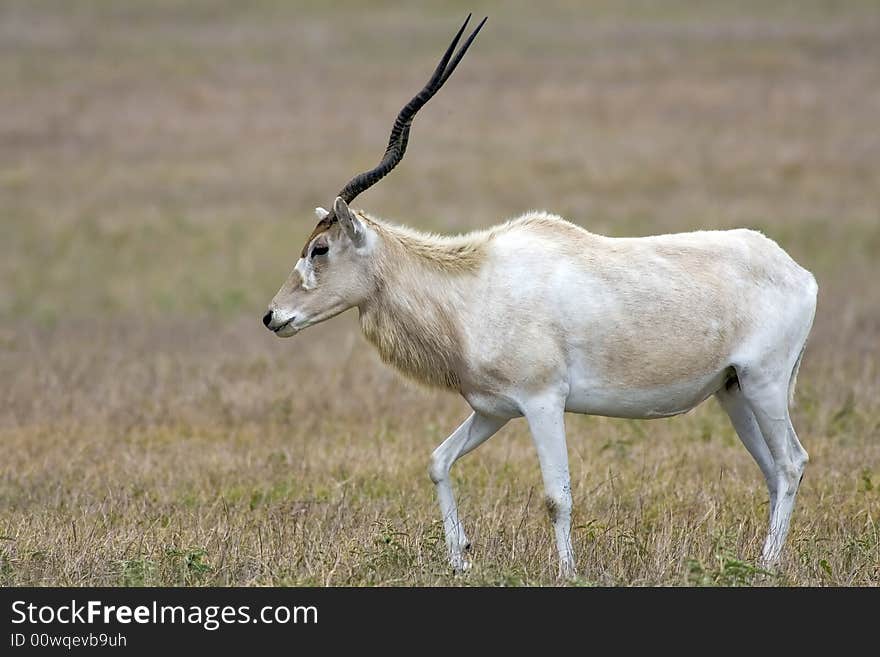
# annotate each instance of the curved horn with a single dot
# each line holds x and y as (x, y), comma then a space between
(400, 132)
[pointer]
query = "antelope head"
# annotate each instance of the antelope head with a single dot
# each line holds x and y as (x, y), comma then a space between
(335, 269)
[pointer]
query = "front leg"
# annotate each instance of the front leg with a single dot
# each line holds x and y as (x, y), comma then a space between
(472, 433)
(545, 416)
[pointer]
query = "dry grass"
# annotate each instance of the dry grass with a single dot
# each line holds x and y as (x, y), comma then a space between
(158, 164)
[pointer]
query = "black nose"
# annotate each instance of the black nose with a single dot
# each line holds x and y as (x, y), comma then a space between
(267, 318)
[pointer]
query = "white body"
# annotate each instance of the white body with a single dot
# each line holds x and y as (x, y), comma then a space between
(636, 328)
(538, 316)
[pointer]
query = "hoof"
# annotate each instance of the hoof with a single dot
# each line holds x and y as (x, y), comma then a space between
(567, 573)
(768, 565)
(769, 559)
(460, 565)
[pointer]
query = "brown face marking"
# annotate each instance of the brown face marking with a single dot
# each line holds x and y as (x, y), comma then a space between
(322, 227)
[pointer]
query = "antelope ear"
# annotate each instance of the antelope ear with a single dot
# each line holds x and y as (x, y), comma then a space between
(320, 213)
(352, 226)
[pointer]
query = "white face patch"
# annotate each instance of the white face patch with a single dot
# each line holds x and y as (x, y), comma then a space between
(306, 273)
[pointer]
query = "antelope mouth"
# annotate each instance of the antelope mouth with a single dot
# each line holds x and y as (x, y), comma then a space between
(286, 329)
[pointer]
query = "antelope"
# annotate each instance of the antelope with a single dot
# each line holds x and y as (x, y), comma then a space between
(537, 317)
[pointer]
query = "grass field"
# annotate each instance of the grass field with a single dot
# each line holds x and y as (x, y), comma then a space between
(159, 162)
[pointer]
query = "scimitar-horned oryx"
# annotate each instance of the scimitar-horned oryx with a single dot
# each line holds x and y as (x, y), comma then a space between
(537, 316)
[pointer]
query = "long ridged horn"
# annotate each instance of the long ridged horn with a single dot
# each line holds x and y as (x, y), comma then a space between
(400, 132)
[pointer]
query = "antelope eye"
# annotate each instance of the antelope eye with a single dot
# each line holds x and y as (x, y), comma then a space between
(320, 250)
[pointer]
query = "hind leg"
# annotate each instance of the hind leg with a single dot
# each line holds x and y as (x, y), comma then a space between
(737, 408)
(767, 397)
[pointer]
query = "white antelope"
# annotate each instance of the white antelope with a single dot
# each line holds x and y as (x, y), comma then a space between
(538, 317)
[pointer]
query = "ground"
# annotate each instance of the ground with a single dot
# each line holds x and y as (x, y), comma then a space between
(159, 162)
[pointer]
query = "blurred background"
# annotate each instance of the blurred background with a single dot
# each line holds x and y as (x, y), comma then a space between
(159, 163)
